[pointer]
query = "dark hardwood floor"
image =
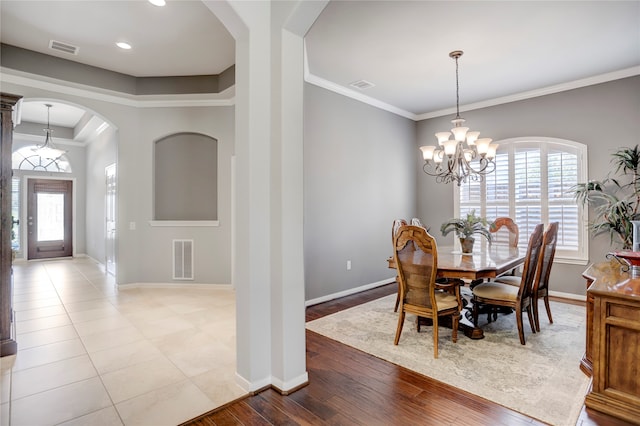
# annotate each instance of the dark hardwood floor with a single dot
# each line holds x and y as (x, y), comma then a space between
(349, 387)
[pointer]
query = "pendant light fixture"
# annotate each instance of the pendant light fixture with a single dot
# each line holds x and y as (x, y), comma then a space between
(451, 160)
(47, 149)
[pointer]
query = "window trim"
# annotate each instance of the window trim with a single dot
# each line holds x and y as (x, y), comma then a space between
(581, 256)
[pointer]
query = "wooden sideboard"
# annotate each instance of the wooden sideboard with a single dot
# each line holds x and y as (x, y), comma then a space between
(8, 344)
(612, 355)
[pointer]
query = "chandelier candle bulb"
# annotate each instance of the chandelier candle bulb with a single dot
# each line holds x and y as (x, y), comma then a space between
(459, 133)
(450, 147)
(427, 152)
(483, 145)
(472, 137)
(438, 156)
(491, 152)
(443, 137)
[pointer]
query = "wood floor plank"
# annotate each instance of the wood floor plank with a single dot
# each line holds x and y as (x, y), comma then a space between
(297, 412)
(270, 412)
(219, 418)
(350, 387)
(247, 415)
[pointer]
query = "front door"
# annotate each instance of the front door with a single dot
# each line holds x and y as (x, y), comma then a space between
(49, 220)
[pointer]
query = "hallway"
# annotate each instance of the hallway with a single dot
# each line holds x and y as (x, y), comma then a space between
(89, 353)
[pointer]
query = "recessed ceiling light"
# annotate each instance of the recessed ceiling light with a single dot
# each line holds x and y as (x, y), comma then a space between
(157, 2)
(123, 45)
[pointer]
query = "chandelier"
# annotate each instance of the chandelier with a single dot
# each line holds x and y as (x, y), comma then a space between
(451, 160)
(47, 149)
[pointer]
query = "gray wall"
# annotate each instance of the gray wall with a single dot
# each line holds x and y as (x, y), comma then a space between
(604, 117)
(359, 175)
(151, 246)
(144, 253)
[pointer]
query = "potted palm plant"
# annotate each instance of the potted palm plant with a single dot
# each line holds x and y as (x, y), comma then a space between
(465, 229)
(615, 200)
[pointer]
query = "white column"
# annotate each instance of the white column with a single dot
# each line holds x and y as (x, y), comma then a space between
(269, 266)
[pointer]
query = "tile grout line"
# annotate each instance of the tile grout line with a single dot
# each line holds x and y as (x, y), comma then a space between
(84, 347)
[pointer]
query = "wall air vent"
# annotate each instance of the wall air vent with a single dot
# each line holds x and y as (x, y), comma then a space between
(63, 47)
(183, 259)
(362, 84)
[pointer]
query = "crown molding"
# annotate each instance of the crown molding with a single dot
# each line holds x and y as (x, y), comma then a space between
(576, 84)
(224, 98)
(349, 93)
(589, 81)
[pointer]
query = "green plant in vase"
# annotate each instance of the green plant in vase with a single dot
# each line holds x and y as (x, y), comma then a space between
(615, 200)
(465, 229)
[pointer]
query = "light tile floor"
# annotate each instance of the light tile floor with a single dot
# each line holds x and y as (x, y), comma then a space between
(90, 354)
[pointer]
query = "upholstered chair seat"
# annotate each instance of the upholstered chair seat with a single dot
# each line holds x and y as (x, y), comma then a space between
(498, 291)
(509, 279)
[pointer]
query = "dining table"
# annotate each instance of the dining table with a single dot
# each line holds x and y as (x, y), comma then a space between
(485, 262)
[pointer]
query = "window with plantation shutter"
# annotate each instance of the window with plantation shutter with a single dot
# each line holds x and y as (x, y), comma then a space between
(532, 184)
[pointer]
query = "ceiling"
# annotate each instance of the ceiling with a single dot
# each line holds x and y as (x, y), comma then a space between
(402, 47)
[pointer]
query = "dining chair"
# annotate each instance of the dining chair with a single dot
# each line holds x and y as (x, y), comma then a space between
(417, 222)
(397, 223)
(504, 231)
(416, 257)
(495, 293)
(543, 271)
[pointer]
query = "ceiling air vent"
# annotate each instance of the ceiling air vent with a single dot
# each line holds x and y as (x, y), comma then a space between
(63, 47)
(361, 84)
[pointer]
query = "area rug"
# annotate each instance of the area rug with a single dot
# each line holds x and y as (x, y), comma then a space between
(541, 379)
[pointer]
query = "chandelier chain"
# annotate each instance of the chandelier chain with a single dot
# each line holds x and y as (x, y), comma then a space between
(457, 91)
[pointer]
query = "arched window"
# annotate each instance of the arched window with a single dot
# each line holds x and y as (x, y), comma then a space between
(31, 158)
(186, 178)
(532, 184)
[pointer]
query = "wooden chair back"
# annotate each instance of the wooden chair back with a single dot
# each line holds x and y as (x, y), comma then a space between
(504, 231)
(397, 223)
(541, 281)
(549, 242)
(417, 222)
(416, 258)
(531, 263)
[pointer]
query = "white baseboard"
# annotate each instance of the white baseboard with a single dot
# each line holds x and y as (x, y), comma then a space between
(290, 384)
(199, 286)
(571, 296)
(348, 292)
(355, 290)
(272, 381)
(252, 386)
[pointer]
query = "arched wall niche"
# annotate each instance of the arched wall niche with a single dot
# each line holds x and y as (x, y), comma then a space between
(186, 177)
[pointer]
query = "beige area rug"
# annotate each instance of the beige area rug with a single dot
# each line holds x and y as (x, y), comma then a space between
(541, 379)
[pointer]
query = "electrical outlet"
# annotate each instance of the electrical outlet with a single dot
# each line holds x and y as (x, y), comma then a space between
(348, 265)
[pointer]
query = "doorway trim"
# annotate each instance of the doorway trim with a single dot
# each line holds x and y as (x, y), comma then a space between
(24, 206)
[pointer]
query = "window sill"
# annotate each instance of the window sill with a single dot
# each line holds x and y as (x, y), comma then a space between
(570, 261)
(185, 223)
